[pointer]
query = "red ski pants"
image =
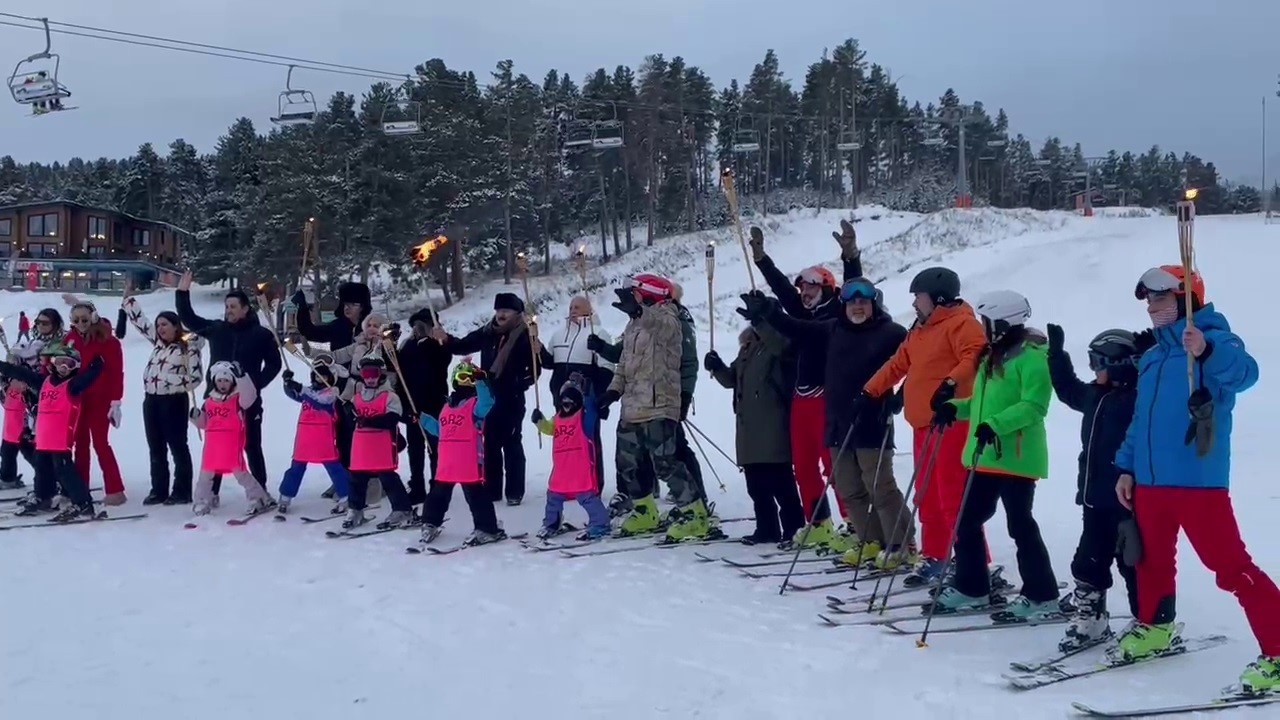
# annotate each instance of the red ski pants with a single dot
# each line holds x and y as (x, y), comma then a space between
(943, 487)
(1210, 523)
(810, 457)
(93, 427)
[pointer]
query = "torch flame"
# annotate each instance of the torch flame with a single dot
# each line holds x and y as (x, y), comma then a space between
(422, 253)
(582, 250)
(1190, 193)
(262, 287)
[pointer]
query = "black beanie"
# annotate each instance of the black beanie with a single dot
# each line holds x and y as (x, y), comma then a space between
(508, 301)
(422, 316)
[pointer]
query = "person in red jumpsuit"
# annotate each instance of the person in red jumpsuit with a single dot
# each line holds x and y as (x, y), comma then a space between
(92, 337)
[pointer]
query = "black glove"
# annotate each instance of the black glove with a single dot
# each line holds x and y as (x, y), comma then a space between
(299, 299)
(603, 413)
(946, 391)
(627, 302)
(1144, 340)
(290, 385)
(686, 401)
(237, 370)
(1055, 337)
(894, 403)
(536, 416)
(287, 376)
(756, 304)
(944, 416)
(711, 362)
(609, 398)
(985, 436)
(595, 343)
(1200, 430)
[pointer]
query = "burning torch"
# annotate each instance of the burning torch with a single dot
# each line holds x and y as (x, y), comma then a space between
(422, 255)
(1186, 248)
(265, 309)
(731, 194)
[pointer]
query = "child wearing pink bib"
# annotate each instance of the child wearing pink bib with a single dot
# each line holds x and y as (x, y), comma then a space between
(375, 446)
(316, 439)
(573, 462)
(58, 411)
(17, 437)
(461, 458)
(222, 420)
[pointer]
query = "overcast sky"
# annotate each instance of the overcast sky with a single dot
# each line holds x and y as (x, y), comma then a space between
(1184, 74)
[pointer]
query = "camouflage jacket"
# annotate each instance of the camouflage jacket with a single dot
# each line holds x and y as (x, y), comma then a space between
(648, 373)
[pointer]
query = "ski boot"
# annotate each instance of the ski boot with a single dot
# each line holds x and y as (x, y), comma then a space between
(860, 552)
(479, 537)
(115, 499)
(758, 538)
(643, 519)
(396, 519)
(1262, 676)
(593, 533)
(261, 505)
(282, 505)
(14, 484)
(895, 557)
(339, 508)
(152, 498)
(691, 523)
(329, 494)
(215, 502)
(546, 532)
(429, 534)
(1143, 642)
(927, 571)
(816, 537)
(355, 518)
(1090, 622)
(201, 509)
(951, 600)
(619, 505)
(31, 506)
(1024, 610)
(74, 512)
(842, 541)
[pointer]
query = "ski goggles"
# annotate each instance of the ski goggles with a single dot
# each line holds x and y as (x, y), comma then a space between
(858, 290)
(1098, 361)
(370, 374)
(464, 377)
(64, 362)
(1156, 281)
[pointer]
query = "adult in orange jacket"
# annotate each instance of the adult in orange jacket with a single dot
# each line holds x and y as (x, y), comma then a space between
(938, 360)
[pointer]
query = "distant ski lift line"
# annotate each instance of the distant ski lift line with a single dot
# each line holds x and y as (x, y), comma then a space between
(35, 80)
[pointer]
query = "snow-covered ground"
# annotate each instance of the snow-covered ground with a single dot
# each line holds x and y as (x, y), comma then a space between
(145, 619)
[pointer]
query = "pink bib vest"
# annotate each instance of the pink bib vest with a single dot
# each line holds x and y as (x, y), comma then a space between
(373, 450)
(15, 415)
(461, 453)
(56, 418)
(573, 458)
(316, 439)
(224, 436)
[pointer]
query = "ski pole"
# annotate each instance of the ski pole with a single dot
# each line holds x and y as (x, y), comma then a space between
(698, 430)
(922, 477)
(875, 482)
(951, 547)
(707, 460)
(808, 526)
(711, 296)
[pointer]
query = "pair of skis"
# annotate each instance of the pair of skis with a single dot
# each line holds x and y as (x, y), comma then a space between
(451, 549)
(100, 517)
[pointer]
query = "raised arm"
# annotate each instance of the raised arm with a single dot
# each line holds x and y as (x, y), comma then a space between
(188, 316)
(21, 372)
(139, 319)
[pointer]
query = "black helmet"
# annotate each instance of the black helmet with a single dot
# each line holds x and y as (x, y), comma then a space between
(942, 285)
(1115, 351)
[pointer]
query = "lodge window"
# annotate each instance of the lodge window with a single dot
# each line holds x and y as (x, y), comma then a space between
(142, 238)
(45, 225)
(97, 228)
(97, 251)
(42, 250)
(5, 248)
(6, 227)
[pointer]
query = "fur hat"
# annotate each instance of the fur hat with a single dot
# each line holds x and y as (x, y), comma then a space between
(357, 294)
(508, 301)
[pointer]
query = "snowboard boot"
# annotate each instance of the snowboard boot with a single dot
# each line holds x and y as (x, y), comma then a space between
(355, 518)
(619, 505)
(951, 600)
(74, 512)
(927, 571)
(1262, 676)
(643, 519)
(397, 518)
(429, 534)
(691, 523)
(153, 498)
(1143, 642)
(1090, 622)
(479, 537)
(339, 507)
(818, 537)
(1023, 610)
(860, 552)
(894, 558)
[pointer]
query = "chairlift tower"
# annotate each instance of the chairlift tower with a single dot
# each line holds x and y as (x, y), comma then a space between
(35, 81)
(960, 116)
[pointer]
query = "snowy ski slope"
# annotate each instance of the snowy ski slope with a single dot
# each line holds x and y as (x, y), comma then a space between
(145, 619)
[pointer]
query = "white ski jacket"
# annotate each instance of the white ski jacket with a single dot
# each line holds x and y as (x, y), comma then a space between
(569, 345)
(171, 369)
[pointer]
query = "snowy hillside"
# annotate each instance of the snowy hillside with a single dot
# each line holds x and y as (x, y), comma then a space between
(145, 619)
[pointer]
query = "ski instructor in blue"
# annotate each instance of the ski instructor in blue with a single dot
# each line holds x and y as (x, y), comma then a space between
(1174, 470)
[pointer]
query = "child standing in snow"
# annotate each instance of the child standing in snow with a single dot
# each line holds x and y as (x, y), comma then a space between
(222, 419)
(61, 392)
(316, 439)
(375, 446)
(573, 464)
(16, 437)
(1107, 404)
(461, 460)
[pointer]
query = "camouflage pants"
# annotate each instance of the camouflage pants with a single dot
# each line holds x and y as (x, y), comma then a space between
(652, 442)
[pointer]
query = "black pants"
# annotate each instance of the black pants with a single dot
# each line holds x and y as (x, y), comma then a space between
(1017, 495)
(417, 447)
(253, 448)
(392, 488)
(60, 469)
(687, 457)
(9, 458)
(504, 452)
(345, 432)
(772, 487)
(164, 418)
(483, 517)
(1097, 551)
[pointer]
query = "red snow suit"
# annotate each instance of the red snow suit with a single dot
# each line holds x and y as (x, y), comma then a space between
(94, 424)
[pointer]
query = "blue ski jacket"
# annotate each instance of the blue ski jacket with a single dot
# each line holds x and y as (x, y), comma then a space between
(1155, 450)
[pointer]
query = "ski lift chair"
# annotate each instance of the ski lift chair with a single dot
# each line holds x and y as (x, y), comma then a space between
(607, 135)
(848, 142)
(746, 142)
(35, 80)
(578, 135)
(405, 119)
(933, 135)
(295, 107)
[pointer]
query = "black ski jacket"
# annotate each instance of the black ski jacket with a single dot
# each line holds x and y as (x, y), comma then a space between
(246, 342)
(508, 386)
(425, 364)
(1108, 410)
(811, 353)
(853, 353)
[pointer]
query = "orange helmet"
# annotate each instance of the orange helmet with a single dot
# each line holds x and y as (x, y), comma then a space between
(1168, 278)
(817, 275)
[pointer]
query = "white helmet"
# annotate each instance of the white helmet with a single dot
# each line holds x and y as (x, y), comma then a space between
(1002, 310)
